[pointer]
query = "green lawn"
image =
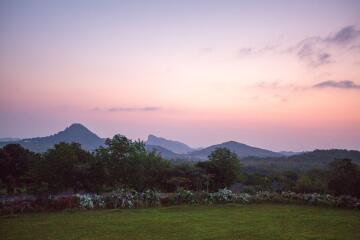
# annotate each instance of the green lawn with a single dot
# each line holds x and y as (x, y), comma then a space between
(257, 221)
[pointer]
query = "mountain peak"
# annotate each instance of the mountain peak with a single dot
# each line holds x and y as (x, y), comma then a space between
(77, 127)
(241, 149)
(174, 146)
(76, 132)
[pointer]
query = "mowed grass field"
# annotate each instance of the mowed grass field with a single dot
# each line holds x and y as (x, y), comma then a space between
(231, 221)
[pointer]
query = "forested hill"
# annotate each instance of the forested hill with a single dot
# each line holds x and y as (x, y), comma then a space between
(242, 150)
(74, 133)
(302, 161)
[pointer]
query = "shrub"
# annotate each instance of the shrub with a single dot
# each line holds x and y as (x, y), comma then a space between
(243, 198)
(184, 196)
(222, 196)
(150, 198)
(90, 201)
(121, 198)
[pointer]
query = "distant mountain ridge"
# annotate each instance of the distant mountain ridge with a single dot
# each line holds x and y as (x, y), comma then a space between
(74, 133)
(165, 153)
(251, 157)
(174, 146)
(242, 150)
(9, 139)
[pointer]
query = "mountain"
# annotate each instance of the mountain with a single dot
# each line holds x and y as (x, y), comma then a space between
(289, 153)
(9, 139)
(75, 133)
(174, 146)
(165, 153)
(299, 162)
(242, 150)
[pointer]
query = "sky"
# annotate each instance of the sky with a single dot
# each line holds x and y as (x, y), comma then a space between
(281, 75)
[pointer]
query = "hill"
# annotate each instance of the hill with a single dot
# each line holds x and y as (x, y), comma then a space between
(74, 133)
(165, 153)
(174, 146)
(301, 162)
(9, 139)
(242, 150)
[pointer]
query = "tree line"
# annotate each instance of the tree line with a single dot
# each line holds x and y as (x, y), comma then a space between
(126, 163)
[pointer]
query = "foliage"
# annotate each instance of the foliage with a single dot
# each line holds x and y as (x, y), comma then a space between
(90, 201)
(15, 162)
(64, 167)
(127, 163)
(344, 178)
(223, 167)
(150, 198)
(183, 196)
(222, 196)
(121, 198)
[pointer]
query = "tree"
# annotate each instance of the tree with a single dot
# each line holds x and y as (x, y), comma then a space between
(224, 167)
(64, 167)
(344, 178)
(15, 162)
(127, 163)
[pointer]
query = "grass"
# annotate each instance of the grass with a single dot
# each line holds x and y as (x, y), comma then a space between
(257, 221)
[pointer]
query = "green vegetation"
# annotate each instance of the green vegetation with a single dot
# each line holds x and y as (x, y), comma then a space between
(124, 163)
(231, 221)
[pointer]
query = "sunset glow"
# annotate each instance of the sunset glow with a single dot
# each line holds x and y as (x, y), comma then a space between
(283, 75)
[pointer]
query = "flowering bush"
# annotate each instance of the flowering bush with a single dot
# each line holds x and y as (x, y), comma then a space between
(121, 198)
(243, 198)
(222, 196)
(124, 198)
(90, 201)
(150, 198)
(184, 196)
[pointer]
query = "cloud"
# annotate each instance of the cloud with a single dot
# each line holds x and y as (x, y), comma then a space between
(128, 109)
(316, 51)
(276, 86)
(345, 84)
(206, 51)
(344, 36)
(310, 53)
(245, 51)
(133, 109)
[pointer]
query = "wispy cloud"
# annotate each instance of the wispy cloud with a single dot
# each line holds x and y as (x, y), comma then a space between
(276, 86)
(345, 84)
(128, 109)
(247, 51)
(315, 51)
(206, 51)
(344, 36)
(313, 56)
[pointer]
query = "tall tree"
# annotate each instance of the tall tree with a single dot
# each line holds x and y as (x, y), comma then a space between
(344, 177)
(15, 162)
(64, 167)
(127, 163)
(224, 167)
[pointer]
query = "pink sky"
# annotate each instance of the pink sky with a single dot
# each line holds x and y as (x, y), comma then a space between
(279, 75)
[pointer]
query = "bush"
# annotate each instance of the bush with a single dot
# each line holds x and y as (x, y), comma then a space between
(183, 196)
(222, 196)
(149, 198)
(242, 198)
(90, 201)
(121, 198)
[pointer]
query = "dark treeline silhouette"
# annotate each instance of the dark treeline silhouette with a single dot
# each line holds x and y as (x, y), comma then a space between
(126, 163)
